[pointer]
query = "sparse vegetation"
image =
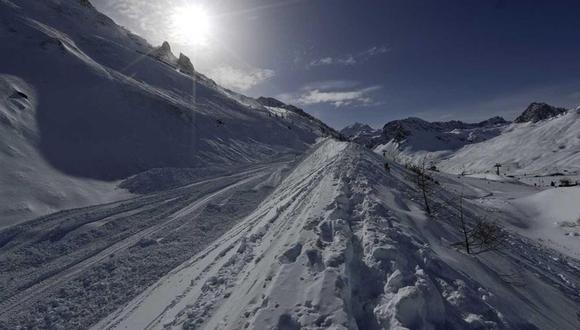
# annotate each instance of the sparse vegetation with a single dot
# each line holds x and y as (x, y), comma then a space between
(484, 236)
(423, 181)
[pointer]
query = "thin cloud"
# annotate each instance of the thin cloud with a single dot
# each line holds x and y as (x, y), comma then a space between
(239, 79)
(351, 59)
(331, 84)
(333, 93)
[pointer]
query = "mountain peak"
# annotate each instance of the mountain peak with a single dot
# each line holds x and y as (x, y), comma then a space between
(184, 64)
(164, 53)
(165, 46)
(538, 111)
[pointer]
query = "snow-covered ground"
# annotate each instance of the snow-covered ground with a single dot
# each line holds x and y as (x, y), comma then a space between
(555, 217)
(341, 244)
(31, 186)
(138, 194)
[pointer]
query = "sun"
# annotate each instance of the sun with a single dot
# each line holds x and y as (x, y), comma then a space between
(191, 25)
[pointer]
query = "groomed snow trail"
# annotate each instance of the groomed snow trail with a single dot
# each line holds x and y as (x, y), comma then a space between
(35, 292)
(340, 244)
(98, 256)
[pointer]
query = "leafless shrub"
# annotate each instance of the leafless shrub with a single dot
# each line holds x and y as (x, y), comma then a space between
(423, 181)
(482, 237)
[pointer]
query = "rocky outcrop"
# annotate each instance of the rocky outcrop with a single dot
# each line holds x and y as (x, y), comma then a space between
(184, 64)
(538, 111)
(164, 54)
(274, 103)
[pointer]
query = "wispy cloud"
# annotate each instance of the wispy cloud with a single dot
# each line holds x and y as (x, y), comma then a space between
(338, 93)
(239, 79)
(351, 59)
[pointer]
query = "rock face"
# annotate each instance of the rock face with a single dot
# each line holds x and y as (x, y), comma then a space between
(164, 54)
(271, 102)
(274, 103)
(361, 133)
(355, 129)
(86, 3)
(539, 111)
(184, 64)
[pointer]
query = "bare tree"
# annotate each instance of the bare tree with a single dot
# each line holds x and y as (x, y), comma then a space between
(462, 222)
(423, 181)
(484, 236)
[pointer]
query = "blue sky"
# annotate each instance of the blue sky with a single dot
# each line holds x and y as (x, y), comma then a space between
(373, 61)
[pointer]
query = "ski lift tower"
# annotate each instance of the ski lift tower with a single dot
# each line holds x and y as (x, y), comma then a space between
(497, 166)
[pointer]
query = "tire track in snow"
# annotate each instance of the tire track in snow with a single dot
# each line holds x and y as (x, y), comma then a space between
(167, 302)
(38, 291)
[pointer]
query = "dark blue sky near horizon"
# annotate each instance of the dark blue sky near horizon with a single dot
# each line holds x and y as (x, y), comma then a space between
(374, 61)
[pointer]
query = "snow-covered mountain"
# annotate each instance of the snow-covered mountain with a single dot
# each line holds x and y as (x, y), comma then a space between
(361, 133)
(86, 103)
(539, 111)
(535, 147)
(542, 140)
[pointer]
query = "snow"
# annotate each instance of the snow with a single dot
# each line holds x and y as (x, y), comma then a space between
(490, 176)
(538, 148)
(245, 215)
(545, 147)
(554, 216)
(340, 244)
(101, 107)
(30, 185)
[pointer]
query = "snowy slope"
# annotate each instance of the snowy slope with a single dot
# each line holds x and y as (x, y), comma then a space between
(411, 139)
(246, 218)
(30, 185)
(100, 104)
(555, 217)
(340, 244)
(542, 141)
(544, 147)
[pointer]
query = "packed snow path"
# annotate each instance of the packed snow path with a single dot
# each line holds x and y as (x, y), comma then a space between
(341, 244)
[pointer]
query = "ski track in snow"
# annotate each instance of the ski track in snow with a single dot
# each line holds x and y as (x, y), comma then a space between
(35, 292)
(332, 243)
(176, 205)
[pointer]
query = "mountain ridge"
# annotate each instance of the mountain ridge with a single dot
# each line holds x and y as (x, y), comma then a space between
(459, 147)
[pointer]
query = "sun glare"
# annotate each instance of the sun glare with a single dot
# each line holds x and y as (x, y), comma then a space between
(191, 25)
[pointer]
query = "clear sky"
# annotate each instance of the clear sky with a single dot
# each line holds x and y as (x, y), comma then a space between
(373, 61)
